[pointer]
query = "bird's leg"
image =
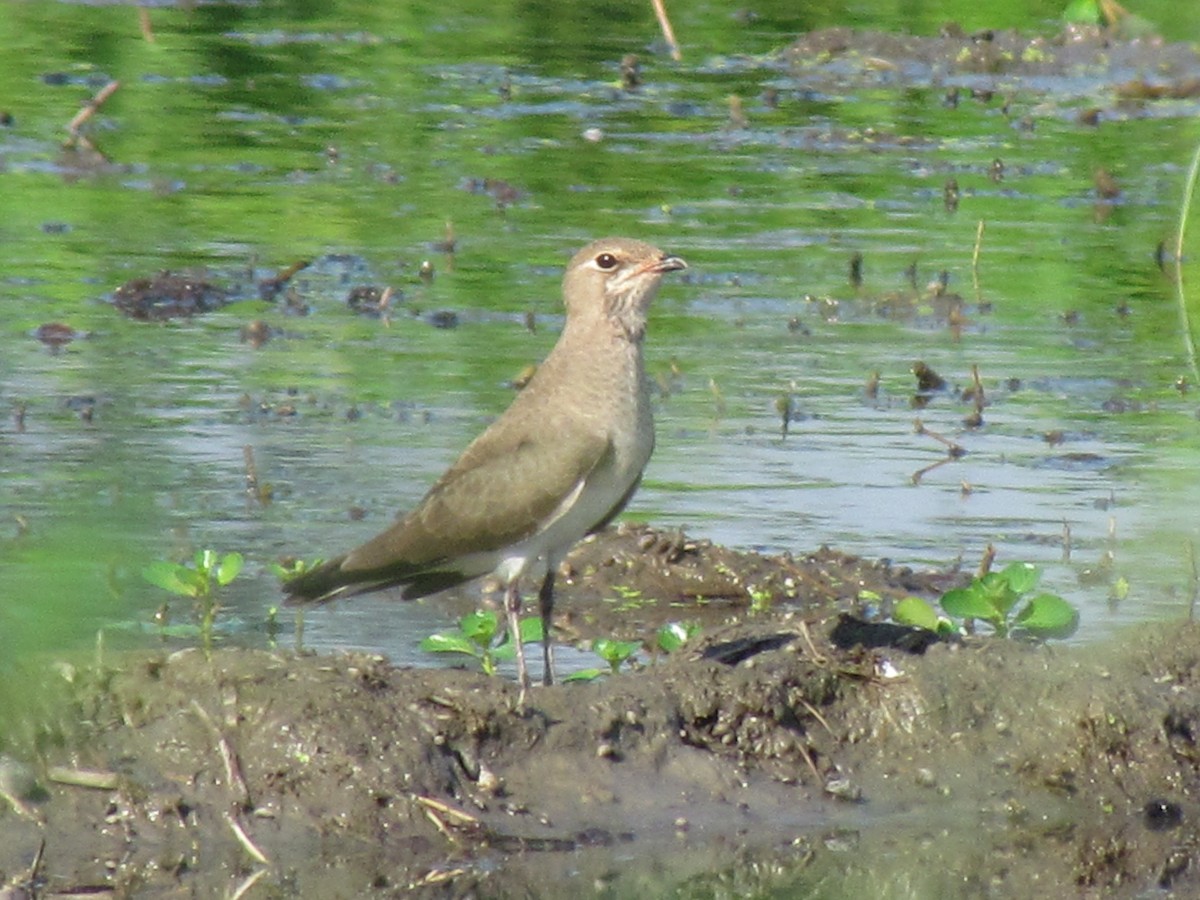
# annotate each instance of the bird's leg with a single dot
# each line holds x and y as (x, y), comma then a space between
(512, 606)
(546, 607)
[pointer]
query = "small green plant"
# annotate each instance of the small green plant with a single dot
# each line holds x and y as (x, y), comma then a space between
(293, 568)
(199, 581)
(1001, 599)
(483, 636)
(612, 652)
(761, 599)
(629, 599)
(673, 635)
(668, 638)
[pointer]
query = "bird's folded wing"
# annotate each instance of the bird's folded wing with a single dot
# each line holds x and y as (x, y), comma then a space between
(489, 501)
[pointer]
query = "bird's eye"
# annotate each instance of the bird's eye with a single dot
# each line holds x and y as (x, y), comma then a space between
(606, 261)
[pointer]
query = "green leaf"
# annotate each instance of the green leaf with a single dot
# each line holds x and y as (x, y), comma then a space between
(946, 628)
(1050, 616)
(530, 629)
(172, 577)
(586, 675)
(1021, 577)
(915, 611)
(968, 603)
(994, 590)
(531, 633)
(479, 627)
(615, 652)
(674, 635)
(1083, 12)
(450, 643)
(231, 565)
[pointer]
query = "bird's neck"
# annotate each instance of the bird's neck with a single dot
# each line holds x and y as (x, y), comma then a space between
(604, 345)
(627, 318)
(621, 325)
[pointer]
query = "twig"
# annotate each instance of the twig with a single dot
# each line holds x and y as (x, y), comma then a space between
(144, 24)
(244, 839)
(233, 770)
(252, 485)
(975, 261)
(89, 108)
(451, 812)
(20, 885)
(815, 713)
(664, 23)
(953, 451)
(985, 561)
(812, 764)
(1189, 343)
(244, 887)
(816, 655)
(97, 779)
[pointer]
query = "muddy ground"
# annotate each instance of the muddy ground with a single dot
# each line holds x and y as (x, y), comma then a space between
(774, 754)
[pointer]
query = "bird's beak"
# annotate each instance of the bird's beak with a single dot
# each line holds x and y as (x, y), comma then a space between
(662, 265)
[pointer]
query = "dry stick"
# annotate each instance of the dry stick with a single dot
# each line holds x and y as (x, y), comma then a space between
(461, 817)
(1189, 343)
(664, 23)
(97, 779)
(144, 24)
(244, 839)
(975, 262)
(233, 771)
(89, 108)
(252, 486)
(953, 451)
(244, 887)
(977, 384)
(985, 561)
(237, 784)
(19, 884)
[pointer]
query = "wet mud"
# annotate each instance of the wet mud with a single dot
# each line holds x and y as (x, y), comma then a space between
(781, 748)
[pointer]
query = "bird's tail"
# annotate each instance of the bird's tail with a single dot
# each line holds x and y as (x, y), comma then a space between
(331, 580)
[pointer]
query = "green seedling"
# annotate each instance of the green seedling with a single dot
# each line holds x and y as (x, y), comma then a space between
(669, 637)
(629, 599)
(198, 581)
(483, 636)
(761, 599)
(293, 568)
(674, 635)
(1001, 599)
(615, 652)
(612, 652)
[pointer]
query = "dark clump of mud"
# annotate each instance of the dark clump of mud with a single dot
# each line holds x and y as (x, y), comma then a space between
(168, 295)
(763, 759)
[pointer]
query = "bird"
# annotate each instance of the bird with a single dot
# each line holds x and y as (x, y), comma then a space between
(560, 463)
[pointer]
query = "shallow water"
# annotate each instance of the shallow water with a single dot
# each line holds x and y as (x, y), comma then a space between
(242, 141)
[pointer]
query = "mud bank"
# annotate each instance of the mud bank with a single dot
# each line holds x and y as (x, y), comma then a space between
(776, 753)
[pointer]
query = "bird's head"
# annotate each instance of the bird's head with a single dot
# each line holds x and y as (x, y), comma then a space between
(616, 278)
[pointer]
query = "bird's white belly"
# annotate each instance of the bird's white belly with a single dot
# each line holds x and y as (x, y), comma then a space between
(580, 511)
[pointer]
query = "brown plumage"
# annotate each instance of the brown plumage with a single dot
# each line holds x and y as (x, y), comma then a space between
(560, 463)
